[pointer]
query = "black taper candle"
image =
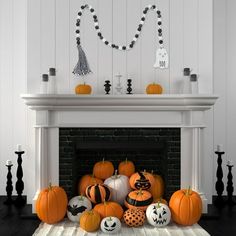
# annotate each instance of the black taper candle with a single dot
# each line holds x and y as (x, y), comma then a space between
(9, 187)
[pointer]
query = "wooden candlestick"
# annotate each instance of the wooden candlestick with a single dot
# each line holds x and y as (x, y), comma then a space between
(230, 188)
(9, 187)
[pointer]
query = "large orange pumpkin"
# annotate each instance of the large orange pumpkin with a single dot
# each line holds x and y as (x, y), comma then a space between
(157, 188)
(141, 180)
(106, 209)
(186, 207)
(103, 169)
(126, 168)
(51, 204)
(90, 221)
(154, 89)
(85, 181)
(138, 199)
(83, 89)
(98, 193)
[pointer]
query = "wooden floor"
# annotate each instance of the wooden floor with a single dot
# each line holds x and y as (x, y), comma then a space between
(19, 221)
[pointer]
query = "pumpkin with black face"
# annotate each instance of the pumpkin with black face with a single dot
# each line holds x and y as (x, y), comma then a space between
(110, 225)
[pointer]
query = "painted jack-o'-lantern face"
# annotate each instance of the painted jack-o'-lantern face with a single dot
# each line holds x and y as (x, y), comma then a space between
(110, 225)
(142, 183)
(158, 214)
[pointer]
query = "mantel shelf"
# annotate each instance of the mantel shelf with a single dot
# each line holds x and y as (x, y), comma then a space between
(142, 102)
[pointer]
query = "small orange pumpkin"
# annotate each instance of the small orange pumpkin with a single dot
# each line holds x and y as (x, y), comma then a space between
(106, 209)
(154, 89)
(90, 221)
(134, 217)
(83, 89)
(103, 169)
(85, 181)
(157, 188)
(186, 207)
(126, 168)
(51, 204)
(98, 193)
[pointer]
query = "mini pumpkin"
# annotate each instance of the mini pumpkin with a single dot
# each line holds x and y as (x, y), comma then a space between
(154, 89)
(141, 180)
(106, 209)
(87, 180)
(134, 217)
(126, 168)
(103, 169)
(138, 199)
(51, 204)
(76, 206)
(90, 221)
(157, 188)
(83, 89)
(186, 207)
(110, 225)
(98, 193)
(119, 185)
(158, 214)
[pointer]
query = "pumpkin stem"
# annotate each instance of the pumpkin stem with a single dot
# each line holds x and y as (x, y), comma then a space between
(116, 174)
(104, 202)
(188, 191)
(50, 186)
(110, 218)
(158, 204)
(126, 160)
(140, 191)
(152, 172)
(103, 159)
(81, 198)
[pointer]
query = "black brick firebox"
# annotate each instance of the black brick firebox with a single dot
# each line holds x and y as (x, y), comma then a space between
(156, 149)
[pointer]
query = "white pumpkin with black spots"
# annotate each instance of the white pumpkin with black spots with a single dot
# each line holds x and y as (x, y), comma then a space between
(110, 225)
(158, 214)
(76, 206)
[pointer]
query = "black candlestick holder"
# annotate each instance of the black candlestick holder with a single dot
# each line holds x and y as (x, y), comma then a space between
(107, 86)
(129, 86)
(219, 186)
(230, 187)
(9, 187)
(20, 201)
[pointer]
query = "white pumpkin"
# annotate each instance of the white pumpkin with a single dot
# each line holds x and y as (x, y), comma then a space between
(120, 187)
(76, 206)
(158, 214)
(110, 225)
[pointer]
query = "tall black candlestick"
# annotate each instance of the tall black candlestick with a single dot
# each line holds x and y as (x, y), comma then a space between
(129, 86)
(230, 187)
(9, 186)
(20, 201)
(219, 186)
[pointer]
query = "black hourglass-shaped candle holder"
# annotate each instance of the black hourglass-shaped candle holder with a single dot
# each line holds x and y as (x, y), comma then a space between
(9, 187)
(129, 86)
(230, 187)
(107, 86)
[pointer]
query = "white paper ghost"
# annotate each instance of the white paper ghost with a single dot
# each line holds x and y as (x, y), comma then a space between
(162, 59)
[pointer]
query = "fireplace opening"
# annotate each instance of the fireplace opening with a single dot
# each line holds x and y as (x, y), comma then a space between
(151, 149)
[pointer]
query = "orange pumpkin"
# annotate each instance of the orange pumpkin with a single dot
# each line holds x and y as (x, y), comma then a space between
(126, 168)
(138, 199)
(103, 169)
(83, 89)
(90, 221)
(154, 89)
(161, 200)
(134, 217)
(98, 193)
(51, 204)
(157, 188)
(186, 207)
(85, 181)
(106, 209)
(141, 180)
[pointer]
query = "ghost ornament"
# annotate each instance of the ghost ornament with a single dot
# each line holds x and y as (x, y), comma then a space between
(110, 225)
(162, 59)
(158, 214)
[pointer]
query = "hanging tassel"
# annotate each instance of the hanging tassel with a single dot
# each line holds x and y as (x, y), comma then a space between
(82, 67)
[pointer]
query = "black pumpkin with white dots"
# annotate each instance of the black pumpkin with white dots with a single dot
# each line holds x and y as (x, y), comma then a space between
(110, 225)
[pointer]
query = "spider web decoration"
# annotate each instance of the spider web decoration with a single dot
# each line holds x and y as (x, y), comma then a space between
(82, 67)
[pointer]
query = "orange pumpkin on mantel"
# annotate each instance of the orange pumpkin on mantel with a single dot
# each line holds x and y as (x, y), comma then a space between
(126, 168)
(90, 221)
(83, 89)
(157, 189)
(103, 169)
(154, 89)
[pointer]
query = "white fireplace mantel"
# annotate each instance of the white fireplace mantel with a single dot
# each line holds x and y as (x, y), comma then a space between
(184, 111)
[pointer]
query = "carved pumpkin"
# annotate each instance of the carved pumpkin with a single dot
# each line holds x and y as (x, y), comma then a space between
(51, 204)
(98, 193)
(106, 209)
(158, 214)
(83, 89)
(154, 89)
(126, 168)
(119, 185)
(186, 207)
(141, 180)
(76, 206)
(134, 217)
(90, 221)
(103, 169)
(157, 189)
(138, 199)
(110, 225)
(87, 180)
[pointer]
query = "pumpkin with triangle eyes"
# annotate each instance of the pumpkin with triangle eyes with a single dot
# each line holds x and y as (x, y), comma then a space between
(110, 225)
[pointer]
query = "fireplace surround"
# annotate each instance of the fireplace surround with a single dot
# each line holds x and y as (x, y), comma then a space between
(53, 112)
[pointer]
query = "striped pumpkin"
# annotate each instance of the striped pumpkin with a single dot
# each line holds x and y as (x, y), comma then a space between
(98, 193)
(140, 199)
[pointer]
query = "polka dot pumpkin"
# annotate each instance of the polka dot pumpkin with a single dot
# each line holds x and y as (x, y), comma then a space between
(134, 217)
